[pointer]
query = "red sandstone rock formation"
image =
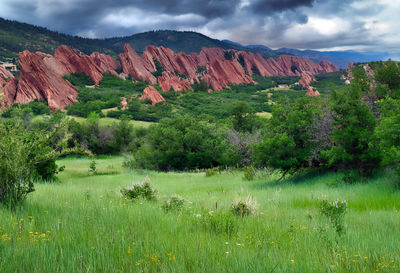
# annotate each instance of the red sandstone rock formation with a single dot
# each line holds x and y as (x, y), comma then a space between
(152, 94)
(124, 104)
(41, 74)
(77, 63)
(41, 78)
(9, 94)
(306, 79)
(5, 75)
(132, 64)
(106, 63)
(169, 80)
(221, 73)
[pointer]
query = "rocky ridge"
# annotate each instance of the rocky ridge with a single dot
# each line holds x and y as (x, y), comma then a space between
(42, 74)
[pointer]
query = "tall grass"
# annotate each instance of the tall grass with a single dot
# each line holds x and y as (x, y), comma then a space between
(82, 224)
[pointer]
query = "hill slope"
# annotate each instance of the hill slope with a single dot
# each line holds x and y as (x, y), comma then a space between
(16, 37)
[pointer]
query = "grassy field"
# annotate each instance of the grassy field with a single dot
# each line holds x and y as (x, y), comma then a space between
(103, 121)
(82, 224)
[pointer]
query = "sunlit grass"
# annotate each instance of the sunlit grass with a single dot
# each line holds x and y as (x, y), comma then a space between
(81, 224)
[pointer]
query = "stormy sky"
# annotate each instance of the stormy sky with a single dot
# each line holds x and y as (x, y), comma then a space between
(371, 25)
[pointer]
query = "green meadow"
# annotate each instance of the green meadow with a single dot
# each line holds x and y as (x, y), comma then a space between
(82, 224)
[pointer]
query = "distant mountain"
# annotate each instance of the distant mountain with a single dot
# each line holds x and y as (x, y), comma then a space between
(339, 58)
(16, 37)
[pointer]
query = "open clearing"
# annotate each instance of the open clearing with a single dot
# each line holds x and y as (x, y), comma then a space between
(82, 224)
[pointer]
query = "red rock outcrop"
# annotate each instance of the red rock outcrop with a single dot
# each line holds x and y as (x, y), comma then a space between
(5, 75)
(222, 73)
(306, 79)
(106, 63)
(132, 64)
(78, 63)
(124, 104)
(169, 80)
(10, 91)
(42, 74)
(41, 78)
(152, 94)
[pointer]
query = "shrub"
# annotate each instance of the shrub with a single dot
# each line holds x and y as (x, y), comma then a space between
(334, 211)
(27, 156)
(249, 173)
(174, 203)
(212, 172)
(244, 207)
(92, 167)
(140, 190)
(218, 222)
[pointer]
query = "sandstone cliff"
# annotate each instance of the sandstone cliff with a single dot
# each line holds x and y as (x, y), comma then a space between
(152, 94)
(42, 74)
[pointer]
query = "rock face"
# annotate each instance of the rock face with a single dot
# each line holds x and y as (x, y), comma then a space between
(306, 79)
(152, 94)
(106, 63)
(42, 74)
(42, 78)
(5, 75)
(220, 73)
(169, 80)
(10, 91)
(77, 63)
(132, 64)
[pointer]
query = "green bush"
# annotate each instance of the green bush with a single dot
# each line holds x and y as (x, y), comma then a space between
(27, 156)
(334, 211)
(182, 143)
(249, 173)
(174, 204)
(244, 207)
(140, 190)
(218, 222)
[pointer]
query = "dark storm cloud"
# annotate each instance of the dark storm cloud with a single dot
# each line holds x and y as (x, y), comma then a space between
(301, 24)
(272, 6)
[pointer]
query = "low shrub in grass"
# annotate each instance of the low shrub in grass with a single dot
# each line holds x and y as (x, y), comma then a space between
(212, 172)
(174, 204)
(140, 190)
(218, 222)
(249, 173)
(334, 211)
(244, 207)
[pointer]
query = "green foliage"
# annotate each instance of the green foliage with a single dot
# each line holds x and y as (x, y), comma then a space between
(181, 143)
(249, 173)
(92, 167)
(218, 223)
(212, 171)
(35, 108)
(334, 211)
(140, 190)
(244, 118)
(241, 60)
(353, 130)
(108, 95)
(201, 69)
(229, 55)
(244, 207)
(26, 156)
(290, 143)
(389, 74)
(361, 78)
(173, 204)
(79, 79)
(202, 86)
(159, 68)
